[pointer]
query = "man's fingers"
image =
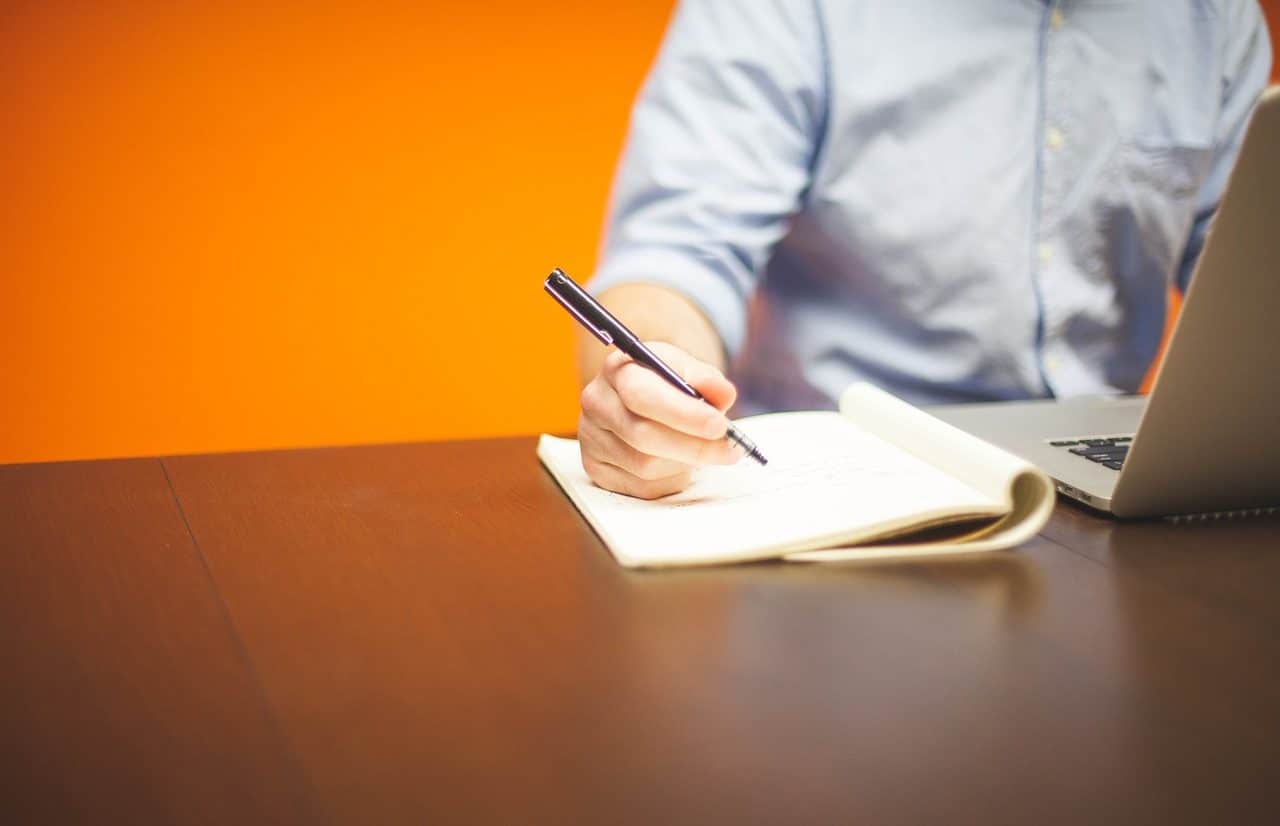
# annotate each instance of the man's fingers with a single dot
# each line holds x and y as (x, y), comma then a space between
(607, 447)
(711, 383)
(649, 396)
(706, 378)
(604, 407)
(613, 478)
(641, 436)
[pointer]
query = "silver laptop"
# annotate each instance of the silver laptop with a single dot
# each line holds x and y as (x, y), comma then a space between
(1207, 439)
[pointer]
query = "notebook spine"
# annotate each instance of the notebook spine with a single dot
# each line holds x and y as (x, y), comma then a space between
(1218, 516)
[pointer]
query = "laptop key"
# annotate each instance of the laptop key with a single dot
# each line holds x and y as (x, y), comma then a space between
(1097, 450)
(1108, 451)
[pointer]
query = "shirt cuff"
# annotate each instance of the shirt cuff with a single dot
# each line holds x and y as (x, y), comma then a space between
(715, 293)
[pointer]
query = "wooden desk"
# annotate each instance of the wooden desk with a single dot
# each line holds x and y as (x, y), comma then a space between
(429, 633)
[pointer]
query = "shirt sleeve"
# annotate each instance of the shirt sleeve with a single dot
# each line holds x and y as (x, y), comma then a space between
(719, 154)
(1248, 65)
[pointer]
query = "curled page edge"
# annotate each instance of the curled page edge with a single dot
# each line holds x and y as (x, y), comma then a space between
(1031, 495)
(1026, 490)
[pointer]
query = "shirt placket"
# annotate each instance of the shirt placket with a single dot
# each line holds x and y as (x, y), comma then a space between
(1054, 150)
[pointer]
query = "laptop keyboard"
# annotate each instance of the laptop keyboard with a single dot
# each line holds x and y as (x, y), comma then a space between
(1108, 451)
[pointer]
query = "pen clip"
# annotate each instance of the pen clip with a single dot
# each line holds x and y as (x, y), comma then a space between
(603, 335)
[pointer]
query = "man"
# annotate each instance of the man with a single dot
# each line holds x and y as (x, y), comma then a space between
(957, 201)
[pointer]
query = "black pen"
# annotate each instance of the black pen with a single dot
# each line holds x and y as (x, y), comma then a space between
(606, 327)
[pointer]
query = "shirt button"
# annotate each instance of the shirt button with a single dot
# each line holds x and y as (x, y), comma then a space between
(1045, 253)
(1054, 138)
(1052, 362)
(1056, 18)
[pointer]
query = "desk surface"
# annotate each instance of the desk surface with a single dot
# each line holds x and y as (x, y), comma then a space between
(430, 633)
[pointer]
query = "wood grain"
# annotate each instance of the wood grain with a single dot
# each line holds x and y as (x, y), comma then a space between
(125, 697)
(443, 638)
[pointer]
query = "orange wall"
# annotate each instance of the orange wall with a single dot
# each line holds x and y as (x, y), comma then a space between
(235, 225)
(1271, 9)
(240, 225)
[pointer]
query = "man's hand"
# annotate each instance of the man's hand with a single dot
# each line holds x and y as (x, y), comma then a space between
(641, 436)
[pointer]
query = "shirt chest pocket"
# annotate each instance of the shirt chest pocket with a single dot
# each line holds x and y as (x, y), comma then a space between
(1158, 174)
(1169, 153)
(1169, 171)
(1167, 138)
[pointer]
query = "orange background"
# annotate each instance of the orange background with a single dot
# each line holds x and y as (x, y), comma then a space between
(236, 225)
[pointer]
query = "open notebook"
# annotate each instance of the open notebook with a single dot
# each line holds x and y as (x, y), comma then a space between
(878, 479)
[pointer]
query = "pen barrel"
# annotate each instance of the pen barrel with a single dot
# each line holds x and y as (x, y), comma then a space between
(635, 348)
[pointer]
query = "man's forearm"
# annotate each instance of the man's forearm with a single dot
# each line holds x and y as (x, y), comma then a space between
(653, 313)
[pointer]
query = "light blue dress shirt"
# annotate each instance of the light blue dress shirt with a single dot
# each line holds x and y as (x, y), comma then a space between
(954, 199)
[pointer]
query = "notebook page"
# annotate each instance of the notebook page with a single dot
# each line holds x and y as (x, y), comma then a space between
(1027, 493)
(959, 454)
(828, 482)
